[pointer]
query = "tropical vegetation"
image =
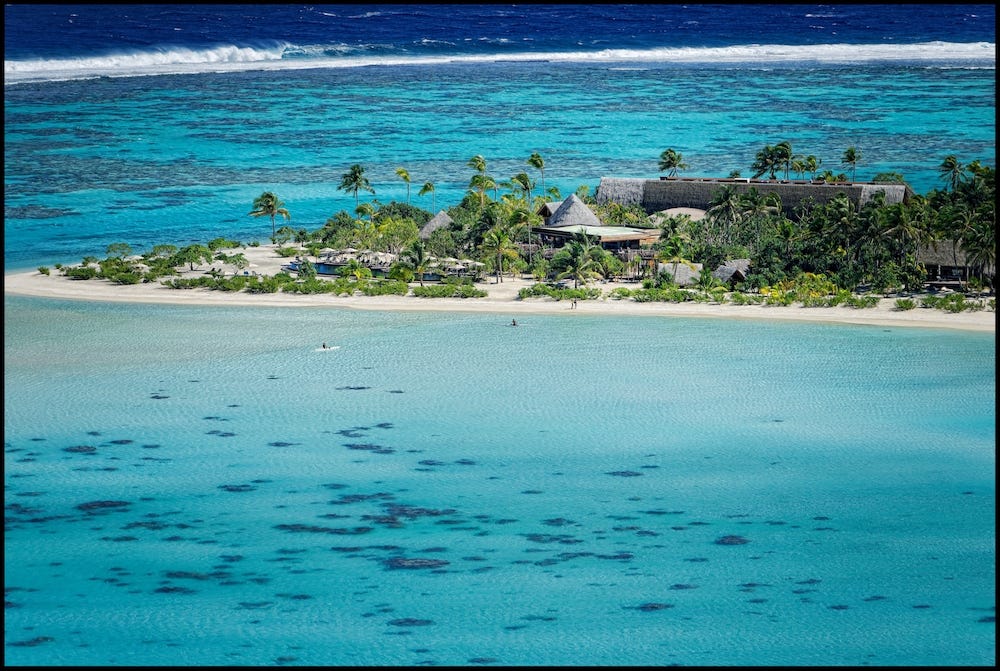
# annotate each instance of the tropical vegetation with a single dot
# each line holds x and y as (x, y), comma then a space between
(820, 254)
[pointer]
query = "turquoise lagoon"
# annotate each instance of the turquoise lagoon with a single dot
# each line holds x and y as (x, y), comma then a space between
(202, 486)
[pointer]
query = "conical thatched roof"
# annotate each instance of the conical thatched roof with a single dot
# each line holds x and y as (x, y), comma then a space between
(573, 212)
(440, 220)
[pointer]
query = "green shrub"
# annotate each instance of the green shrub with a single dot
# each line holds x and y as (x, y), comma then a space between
(740, 298)
(287, 252)
(905, 304)
(44, 270)
(868, 301)
(386, 287)
(619, 293)
(448, 291)
(81, 273)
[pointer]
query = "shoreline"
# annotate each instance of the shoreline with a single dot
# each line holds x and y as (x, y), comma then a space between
(501, 299)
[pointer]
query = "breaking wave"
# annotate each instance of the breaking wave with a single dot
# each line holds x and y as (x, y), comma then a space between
(231, 58)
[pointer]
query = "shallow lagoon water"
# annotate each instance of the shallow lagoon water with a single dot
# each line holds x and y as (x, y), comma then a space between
(201, 486)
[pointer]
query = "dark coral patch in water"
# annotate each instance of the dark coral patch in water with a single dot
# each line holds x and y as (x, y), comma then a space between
(564, 539)
(174, 589)
(839, 607)
(370, 447)
(352, 388)
(81, 449)
(237, 488)
(121, 441)
(32, 642)
(95, 506)
(357, 498)
(410, 622)
(413, 563)
(558, 522)
(281, 443)
(731, 540)
(678, 586)
(625, 474)
(651, 606)
(313, 529)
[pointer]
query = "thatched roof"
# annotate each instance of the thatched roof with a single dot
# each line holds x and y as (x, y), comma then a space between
(573, 212)
(655, 195)
(941, 253)
(683, 274)
(548, 209)
(440, 220)
(733, 270)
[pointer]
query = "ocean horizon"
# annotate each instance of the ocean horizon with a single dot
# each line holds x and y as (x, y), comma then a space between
(205, 485)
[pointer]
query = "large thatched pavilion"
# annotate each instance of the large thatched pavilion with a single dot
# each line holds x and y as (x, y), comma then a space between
(655, 195)
(573, 216)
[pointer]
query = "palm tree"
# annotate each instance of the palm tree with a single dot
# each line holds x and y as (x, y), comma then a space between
(766, 161)
(477, 163)
(405, 176)
(981, 247)
(725, 211)
(428, 187)
(851, 158)
(578, 262)
(523, 183)
(952, 171)
(268, 205)
(521, 218)
(672, 161)
(416, 258)
(498, 246)
(354, 180)
(783, 155)
(812, 164)
(482, 182)
(674, 251)
(536, 161)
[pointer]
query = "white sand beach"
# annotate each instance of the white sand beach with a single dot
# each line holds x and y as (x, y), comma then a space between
(501, 299)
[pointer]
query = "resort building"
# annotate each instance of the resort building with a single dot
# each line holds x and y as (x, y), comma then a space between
(573, 216)
(665, 193)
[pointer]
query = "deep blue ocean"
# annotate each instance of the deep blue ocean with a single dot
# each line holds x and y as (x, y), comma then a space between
(191, 485)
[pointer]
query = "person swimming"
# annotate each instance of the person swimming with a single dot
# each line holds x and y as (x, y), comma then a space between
(513, 322)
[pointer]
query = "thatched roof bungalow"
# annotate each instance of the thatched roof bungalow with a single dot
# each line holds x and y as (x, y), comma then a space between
(732, 271)
(655, 195)
(574, 216)
(945, 262)
(684, 274)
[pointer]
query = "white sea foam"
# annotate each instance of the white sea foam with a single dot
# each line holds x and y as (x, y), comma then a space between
(295, 57)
